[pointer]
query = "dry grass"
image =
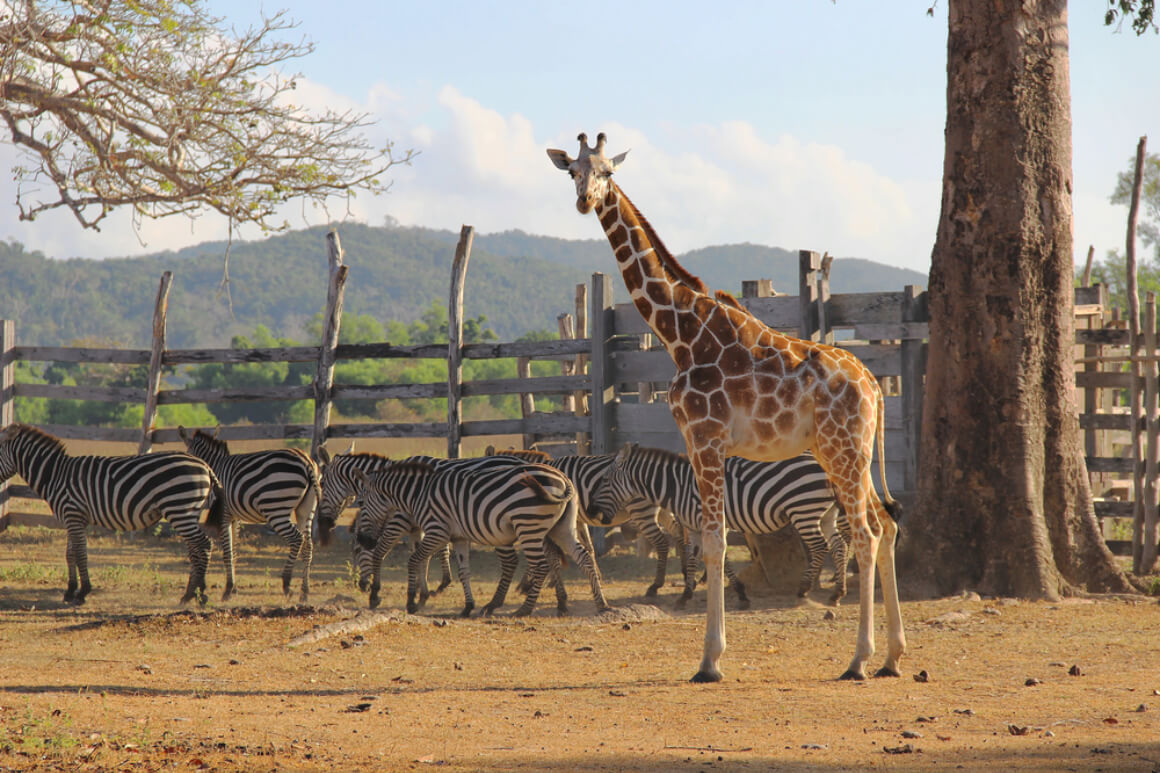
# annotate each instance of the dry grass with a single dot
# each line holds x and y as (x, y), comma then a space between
(128, 682)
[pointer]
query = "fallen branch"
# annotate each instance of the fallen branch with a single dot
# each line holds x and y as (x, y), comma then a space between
(357, 624)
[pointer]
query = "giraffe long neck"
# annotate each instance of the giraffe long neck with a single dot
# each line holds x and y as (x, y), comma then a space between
(661, 288)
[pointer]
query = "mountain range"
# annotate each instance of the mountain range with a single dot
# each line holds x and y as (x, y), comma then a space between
(520, 282)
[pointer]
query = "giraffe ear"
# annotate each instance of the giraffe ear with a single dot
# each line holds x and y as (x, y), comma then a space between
(617, 160)
(561, 159)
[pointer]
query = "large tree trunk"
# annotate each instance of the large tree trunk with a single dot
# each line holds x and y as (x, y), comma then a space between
(1004, 502)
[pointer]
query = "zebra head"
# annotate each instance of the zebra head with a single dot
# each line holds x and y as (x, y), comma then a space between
(203, 445)
(338, 489)
(385, 494)
(7, 452)
(615, 490)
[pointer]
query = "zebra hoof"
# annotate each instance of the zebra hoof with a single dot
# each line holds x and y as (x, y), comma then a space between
(412, 607)
(651, 593)
(524, 611)
(466, 611)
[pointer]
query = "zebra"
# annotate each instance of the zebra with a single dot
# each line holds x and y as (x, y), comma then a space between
(279, 487)
(760, 498)
(124, 493)
(532, 506)
(339, 487)
(587, 473)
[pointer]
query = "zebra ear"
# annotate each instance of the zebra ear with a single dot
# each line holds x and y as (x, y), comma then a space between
(623, 454)
(489, 451)
(324, 455)
(216, 430)
(181, 433)
(350, 449)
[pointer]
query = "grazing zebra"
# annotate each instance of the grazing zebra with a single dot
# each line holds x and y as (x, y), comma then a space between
(587, 473)
(760, 498)
(530, 506)
(279, 488)
(339, 487)
(125, 493)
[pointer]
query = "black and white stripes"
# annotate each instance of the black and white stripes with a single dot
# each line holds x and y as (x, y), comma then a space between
(124, 493)
(279, 487)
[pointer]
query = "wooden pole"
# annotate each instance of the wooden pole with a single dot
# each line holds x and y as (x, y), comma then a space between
(455, 343)
(1086, 279)
(1137, 411)
(324, 377)
(583, 439)
(527, 399)
(913, 354)
(7, 398)
(566, 327)
(601, 389)
(1152, 451)
(153, 385)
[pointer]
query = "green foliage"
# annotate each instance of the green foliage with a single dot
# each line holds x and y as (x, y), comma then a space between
(1141, 13)
(1112, 270)
(254, 374)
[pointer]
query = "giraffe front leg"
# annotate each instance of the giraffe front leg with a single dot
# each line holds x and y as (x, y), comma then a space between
(865, 547)
(713, 549)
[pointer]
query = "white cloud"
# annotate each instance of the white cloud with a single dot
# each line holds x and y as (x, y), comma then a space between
(699, 185)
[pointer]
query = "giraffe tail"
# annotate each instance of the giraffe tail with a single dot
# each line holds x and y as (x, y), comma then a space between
(892, 505)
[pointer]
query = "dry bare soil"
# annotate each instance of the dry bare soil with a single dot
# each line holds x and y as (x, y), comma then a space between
(131, 682)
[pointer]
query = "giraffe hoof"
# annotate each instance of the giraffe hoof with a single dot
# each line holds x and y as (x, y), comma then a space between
(852, 676)
(703, 677)
(887, 671)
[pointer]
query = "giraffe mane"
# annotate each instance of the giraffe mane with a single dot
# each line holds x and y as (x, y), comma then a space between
(670, 264)
(728, 299)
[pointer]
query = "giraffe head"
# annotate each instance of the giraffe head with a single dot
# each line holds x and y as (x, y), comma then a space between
(591, 172)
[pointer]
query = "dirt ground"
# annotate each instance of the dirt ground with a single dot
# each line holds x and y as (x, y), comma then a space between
(132, 682)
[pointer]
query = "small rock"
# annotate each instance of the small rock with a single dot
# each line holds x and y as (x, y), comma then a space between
(1032, 682)
(911, 734)
(1141, 708)
(1074, 671)
(815, 746)
(145, 669)
(626, 627)
(617, 694)
(234, 662)
(965, 712)
(829, 615)
(358, 707)
(904, 749)
(1018, 729)
(922, 676)
(1049, 734)
(992, 611)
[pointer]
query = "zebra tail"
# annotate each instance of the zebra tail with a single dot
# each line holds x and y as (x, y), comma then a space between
(215, 519)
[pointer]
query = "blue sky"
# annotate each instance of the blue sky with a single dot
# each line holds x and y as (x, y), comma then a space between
(804, 124)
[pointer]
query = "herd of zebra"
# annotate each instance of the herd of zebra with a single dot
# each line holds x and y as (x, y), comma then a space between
(509, 500)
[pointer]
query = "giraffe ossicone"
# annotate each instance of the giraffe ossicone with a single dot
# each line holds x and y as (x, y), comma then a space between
(744, 389)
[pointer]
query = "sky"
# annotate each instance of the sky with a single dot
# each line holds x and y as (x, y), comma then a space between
(804, 125)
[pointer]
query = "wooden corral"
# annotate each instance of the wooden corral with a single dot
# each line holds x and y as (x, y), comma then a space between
(613, 380)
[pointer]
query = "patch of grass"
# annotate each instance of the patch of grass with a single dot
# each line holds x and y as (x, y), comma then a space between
(34, 574)
(33, 734)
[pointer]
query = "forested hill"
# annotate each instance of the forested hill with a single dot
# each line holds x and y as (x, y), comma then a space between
(520, 282)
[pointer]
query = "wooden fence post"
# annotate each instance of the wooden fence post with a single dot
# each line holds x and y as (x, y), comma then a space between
(583, 439)
(153, 385)
(814, 293)
(601, 390)
(1134, 344)
(324, 378)
(7, 397)
(913, 369)
(455, 343)
(566, 327)
(1151, 442)
(527, 399)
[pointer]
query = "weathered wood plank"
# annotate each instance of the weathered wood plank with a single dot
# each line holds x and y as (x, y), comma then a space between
(1103, 380)
(332, 322)
(1111, 464)
(109, 434)
(77, 354)
(455, 342)
(390, 391)
(1112, 336)
(68, 392)
(890, 331)
(249, 394)
(538, 423)
(153, 383)
(541, 385)
(1117, 421)
(534, 349)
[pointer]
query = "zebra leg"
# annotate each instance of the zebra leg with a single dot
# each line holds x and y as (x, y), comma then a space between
(556, 576)
(508, 558)
(690, 556)
(463, 558)
(841, 556)
(227, 545)
(417, 561)
(563, 535)
(77, 558)
(538, 569)
(291, 535)
(445, 563)
(660, 543)
(815, 556)
(737, 585)
(199, 547)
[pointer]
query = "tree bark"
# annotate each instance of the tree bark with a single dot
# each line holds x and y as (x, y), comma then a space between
(1004, 502)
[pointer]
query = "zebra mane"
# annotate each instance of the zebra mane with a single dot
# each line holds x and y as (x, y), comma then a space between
(212, 441)
(37, 436)
(529, 454)
(658, 454)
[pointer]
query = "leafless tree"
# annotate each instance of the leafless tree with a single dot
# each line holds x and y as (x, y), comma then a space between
(158, 106)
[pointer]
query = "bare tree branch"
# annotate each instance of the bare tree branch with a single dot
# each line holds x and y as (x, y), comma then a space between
(155, 106)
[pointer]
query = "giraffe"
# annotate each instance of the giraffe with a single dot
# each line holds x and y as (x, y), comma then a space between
(744, 389)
